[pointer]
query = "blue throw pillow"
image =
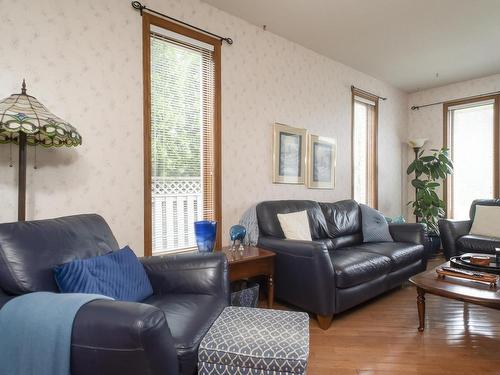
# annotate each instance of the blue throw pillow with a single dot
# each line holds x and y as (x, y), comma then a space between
(118, 275)
(374, 225)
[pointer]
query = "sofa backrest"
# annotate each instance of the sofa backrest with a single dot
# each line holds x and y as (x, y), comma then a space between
(269, 224)
(343, 220)
(482, 202)
(30, 249)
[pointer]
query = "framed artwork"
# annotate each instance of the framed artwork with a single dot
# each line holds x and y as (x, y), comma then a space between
(289, 154)
(321, 162)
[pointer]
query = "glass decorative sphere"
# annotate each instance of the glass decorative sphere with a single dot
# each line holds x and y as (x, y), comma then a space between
(237, 233)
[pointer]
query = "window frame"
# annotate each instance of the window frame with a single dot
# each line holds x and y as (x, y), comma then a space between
(447, 134)
(373, 168)
(148, 20)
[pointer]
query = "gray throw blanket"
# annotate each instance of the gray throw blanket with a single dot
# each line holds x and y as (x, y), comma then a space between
(249, 221)
(35, 332)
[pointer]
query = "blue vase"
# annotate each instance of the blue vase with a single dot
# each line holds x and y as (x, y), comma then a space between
(205, 232)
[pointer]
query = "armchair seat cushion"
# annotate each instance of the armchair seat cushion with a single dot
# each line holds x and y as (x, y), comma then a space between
(189, 317)
(402, 254)
(471, 243)
(353, 266)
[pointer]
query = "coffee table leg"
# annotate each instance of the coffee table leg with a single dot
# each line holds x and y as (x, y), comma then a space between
(270, 291)
(421, 308)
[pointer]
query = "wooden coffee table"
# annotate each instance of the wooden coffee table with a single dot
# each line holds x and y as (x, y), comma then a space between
(251, 262)
(454, 288)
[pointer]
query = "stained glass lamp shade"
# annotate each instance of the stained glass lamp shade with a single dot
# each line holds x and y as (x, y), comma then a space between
(26, 121)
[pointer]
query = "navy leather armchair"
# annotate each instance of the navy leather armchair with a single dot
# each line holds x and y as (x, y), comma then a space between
(456, 238)
(158, 336)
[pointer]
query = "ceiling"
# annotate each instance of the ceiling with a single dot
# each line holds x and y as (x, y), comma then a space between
(411, 44)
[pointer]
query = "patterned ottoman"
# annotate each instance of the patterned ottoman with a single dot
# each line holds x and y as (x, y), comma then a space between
(251, 341)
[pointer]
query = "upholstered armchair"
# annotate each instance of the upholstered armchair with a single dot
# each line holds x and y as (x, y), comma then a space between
(160, 335)
(455, 235)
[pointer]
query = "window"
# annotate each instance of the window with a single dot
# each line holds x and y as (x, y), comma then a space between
(471, 134)
(364, 148)
(181, 134)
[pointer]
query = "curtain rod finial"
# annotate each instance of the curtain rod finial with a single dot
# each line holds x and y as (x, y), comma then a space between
(137, 5)
(413, 108)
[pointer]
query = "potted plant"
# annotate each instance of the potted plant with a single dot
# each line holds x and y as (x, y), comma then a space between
(430, 171)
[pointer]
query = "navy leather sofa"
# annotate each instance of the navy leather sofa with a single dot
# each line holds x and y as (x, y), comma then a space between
(159, 336)
(336, 270)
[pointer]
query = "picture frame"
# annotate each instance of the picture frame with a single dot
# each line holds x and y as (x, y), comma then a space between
(321, 162)
(289, 154)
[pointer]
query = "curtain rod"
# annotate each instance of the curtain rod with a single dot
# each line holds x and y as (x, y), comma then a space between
(367, 92)
(137, 5)
(417, 107)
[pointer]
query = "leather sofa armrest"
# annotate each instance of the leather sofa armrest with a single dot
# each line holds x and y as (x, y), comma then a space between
(410, 232)
(451, 231)
(112, 337)
(192, 273)
(293, 247)
(304, 273)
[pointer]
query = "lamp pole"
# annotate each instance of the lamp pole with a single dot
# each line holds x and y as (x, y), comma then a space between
(21, 192)
(21, 186)
(417, 145)
(416, 150)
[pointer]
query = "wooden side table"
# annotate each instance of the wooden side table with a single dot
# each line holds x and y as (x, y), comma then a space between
(251, 262)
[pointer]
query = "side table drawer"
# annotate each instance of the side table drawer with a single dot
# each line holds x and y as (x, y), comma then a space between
(257, 267)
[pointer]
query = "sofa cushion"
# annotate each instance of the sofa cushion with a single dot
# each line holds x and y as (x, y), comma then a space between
(374, 225)
(401, 254)
(118, 275)
(29, 250)
(353, 267)
(295, 226)
(328, 242)
(477, 244)
(486, 221)
(347, 240)
(269, 225)
(189, 317)
(342, 217)
(482, 202)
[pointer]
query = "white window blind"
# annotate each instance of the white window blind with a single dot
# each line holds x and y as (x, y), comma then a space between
(360, 99)
(182, 138)
(471, 129)
(364, 151)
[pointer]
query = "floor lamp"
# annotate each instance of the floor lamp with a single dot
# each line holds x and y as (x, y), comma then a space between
(417, 144)
(26, 122)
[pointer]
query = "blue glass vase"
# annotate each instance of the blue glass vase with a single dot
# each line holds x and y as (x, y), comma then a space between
(205, 232)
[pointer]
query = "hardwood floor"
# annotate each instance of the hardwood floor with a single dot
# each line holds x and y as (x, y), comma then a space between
(381, 337)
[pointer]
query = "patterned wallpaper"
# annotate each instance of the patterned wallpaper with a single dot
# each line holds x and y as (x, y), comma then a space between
(83, 61)
(428, 122)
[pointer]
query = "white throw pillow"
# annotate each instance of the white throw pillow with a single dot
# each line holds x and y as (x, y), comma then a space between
(295, 225)
(486, 221)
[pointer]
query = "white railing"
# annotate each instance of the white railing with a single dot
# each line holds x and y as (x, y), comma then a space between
(176, 204)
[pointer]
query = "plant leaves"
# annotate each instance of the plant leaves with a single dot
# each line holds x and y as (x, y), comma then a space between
(411, 168)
